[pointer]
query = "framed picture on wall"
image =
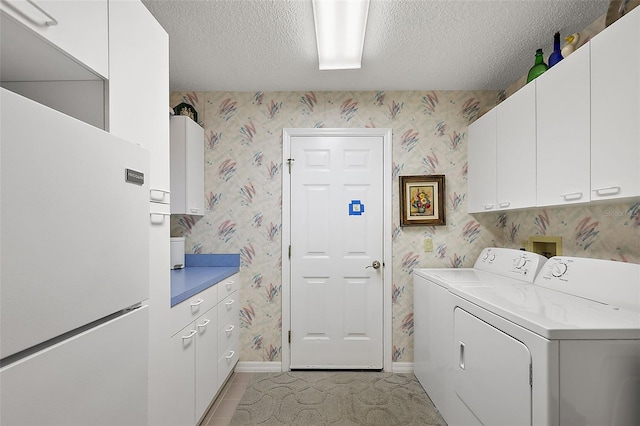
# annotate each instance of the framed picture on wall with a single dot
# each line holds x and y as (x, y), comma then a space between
(422, 200)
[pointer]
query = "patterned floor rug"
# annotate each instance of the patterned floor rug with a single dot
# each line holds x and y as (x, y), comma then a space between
(313, 398)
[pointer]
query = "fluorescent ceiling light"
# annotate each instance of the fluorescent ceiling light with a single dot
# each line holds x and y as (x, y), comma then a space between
(340, 28)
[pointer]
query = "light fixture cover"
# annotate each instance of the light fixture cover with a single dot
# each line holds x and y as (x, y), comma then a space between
(340, 29)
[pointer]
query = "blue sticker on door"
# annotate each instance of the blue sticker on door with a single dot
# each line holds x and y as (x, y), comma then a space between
(356, 208)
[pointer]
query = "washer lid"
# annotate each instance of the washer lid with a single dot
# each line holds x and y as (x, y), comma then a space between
(551, 314)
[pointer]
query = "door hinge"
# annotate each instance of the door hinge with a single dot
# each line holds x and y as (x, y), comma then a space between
(289, 336)
(289, 252)
(531, 375)
(290, 163)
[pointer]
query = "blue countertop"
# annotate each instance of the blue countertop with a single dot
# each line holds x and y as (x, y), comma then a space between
(201, 271)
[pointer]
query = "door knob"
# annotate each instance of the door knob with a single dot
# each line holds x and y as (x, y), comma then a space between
(375, 265)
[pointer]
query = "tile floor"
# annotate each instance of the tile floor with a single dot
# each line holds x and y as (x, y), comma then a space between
(222, 410)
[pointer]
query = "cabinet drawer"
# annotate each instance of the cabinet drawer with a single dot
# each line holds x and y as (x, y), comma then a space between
(227, 287)
(187, 311)
(225, 364)
(77, 28)
(228, 339)
(228, 311)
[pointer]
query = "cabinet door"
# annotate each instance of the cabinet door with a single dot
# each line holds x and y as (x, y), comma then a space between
(615, 109)
(161, 360)
(481, 175)
(195, 170)
(187, 166)
(139, 87)
(206, 361)
(563, 172)
(177, 402)
(516, 150)
(77, 28)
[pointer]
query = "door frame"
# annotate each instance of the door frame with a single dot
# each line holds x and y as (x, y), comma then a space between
(387, 331)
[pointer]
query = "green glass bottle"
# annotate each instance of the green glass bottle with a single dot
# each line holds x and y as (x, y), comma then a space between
(538, 68)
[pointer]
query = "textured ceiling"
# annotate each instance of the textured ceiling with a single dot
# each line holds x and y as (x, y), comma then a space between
(269, 45)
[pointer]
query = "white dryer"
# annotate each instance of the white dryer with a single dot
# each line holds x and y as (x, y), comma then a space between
(434, 308)
(564, 350)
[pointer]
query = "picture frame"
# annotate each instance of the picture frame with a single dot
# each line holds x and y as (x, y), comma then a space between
(422, 200)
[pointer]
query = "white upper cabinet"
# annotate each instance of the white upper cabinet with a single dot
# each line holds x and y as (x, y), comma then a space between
(563, 115)
(615, 110)
(187, 166)
(139, 87)
(502, 155)
(481, 172)
(585, 143)
(516, 150)
(77, 29)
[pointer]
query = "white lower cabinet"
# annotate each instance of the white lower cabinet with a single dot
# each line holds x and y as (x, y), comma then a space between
(196, 360)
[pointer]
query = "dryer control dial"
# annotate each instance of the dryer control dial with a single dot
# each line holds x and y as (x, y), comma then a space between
(559, 269)
(521, 262)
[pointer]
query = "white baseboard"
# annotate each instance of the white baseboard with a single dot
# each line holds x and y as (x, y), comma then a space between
(276, 367)
(258, 367)
(402, 367)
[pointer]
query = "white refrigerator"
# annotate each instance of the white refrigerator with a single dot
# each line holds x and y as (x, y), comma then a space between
(74, 277)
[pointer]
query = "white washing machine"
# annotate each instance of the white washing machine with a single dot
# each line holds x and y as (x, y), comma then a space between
(564, 350)
(433, 313)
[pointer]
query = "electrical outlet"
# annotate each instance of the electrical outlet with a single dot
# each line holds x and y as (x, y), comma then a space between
(428, 245)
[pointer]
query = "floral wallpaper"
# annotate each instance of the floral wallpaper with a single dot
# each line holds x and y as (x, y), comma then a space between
(243, 179)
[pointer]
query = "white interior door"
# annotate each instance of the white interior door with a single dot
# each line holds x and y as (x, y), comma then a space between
(336, 226)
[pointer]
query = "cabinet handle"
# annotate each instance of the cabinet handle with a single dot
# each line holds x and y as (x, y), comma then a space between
(154, 220)
(205, 323)
(230, 328)
(572, 196)
(229, 303)
(159, 197)
(47, 23)
(488, 206)
(461, 362)
(229, 285)
(505, 204)
(194, 210)
(610, 190)
(231, 354)
(197, 302)
(190, 335)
